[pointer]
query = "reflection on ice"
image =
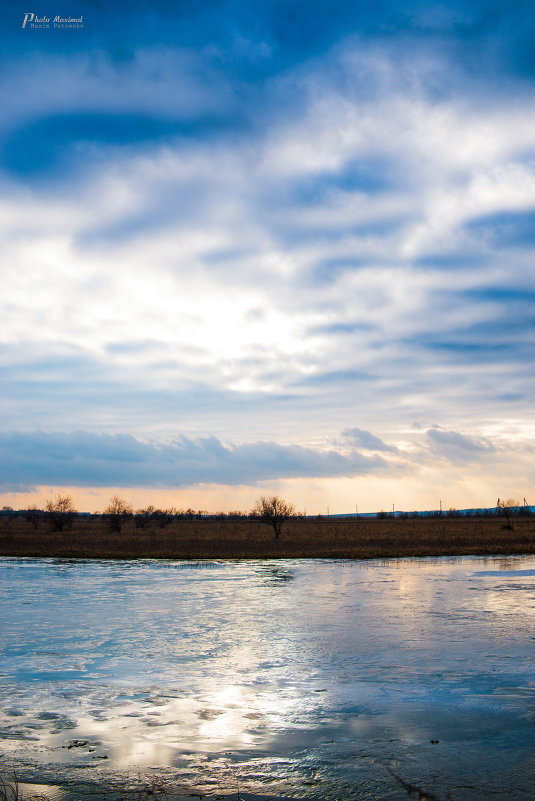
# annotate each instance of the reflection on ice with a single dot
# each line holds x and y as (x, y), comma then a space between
(303, 678)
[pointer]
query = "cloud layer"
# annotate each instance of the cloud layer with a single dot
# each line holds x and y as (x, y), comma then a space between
(83, 459)
(258, 223)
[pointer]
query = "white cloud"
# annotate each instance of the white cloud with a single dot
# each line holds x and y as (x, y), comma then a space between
(159, 81)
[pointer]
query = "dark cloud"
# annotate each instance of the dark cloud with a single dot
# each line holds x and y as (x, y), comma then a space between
(458, 447)
(159, 60)
(85, 459)
(233, 31)
(59, 142)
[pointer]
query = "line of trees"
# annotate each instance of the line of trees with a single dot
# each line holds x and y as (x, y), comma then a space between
(273, 511)
(60, 513)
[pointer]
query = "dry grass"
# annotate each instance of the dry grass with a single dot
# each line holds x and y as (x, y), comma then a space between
(10, 791)
(362, 538)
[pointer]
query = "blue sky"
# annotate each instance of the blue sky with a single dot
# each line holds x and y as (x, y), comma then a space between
(269, 247)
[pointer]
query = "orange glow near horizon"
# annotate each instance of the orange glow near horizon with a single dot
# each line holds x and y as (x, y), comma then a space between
(309, 496)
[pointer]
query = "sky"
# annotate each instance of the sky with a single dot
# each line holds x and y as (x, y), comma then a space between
(259, 247)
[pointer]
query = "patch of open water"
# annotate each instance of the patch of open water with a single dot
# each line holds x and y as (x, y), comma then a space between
(294, 678)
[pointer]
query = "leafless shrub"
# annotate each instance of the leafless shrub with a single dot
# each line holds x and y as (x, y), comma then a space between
(60, 512)
(33, 515)
(117, 512)
(509, 509)
(273, 511)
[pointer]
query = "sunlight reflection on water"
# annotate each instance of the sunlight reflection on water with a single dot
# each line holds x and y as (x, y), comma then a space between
(308, 678)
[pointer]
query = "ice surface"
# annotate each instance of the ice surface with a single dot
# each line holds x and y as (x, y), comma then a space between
(304, 678)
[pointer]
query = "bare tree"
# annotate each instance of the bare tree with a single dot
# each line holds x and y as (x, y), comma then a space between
(142, 516)
(273, 512)
(60, 512)
(163, 516)
(33, 516)
(117, 512)
(510, 509)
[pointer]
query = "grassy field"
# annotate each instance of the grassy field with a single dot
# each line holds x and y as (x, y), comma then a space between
(362, 538)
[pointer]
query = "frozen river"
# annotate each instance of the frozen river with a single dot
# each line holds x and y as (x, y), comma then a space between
(299, 678)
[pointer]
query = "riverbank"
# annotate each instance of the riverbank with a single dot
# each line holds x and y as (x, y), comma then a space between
(354, 538)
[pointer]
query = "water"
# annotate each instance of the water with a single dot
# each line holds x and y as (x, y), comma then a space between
(304, 679)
